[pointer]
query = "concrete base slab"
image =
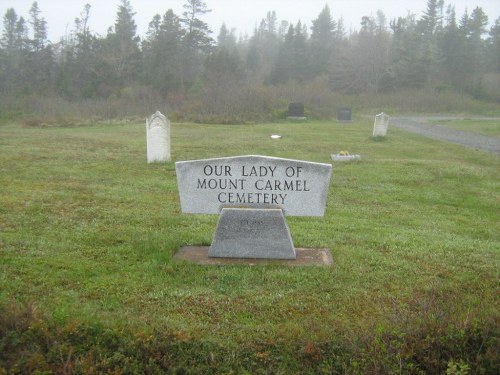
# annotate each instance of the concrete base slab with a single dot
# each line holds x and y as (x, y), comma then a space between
(305, 257)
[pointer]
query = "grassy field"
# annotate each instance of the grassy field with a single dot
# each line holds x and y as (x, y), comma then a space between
(88, 284)
(487, 127)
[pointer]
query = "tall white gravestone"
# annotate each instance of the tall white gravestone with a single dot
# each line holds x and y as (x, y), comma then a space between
(158, 138)
(380, 125)
(253, 194)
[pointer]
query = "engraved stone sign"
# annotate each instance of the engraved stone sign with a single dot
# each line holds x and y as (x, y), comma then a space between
(380, 125)
(158, 138)
(299, 188)
(253, 194)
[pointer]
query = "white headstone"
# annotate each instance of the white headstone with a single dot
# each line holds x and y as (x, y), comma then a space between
(158, 138)
(380, 125)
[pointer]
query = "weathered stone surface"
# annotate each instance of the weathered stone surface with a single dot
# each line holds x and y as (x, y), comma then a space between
(297, 187)
(344, 115)
(296, 109)
(305, 257)
(252, 233)
(380, 125)
(158, 138)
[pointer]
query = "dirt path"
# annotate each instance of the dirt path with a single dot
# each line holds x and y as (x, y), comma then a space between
(425, 127)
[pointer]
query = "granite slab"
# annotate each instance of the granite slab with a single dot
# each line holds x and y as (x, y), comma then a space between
(299, 188)
(305, 257)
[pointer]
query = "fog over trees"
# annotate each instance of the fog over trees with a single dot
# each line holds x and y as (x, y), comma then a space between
(180, 59)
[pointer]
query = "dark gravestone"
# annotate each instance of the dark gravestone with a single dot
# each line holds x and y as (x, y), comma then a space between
(296, 111)
(344, 114)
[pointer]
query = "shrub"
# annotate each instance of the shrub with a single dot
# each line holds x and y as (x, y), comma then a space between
(30, 342)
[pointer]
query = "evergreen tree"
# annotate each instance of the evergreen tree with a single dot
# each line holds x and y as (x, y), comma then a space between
(452, 48)
(283, 67)
(264, 48)
(253, 58)
(477, 24)
(494, 47)
(292, 60)
(8, 40)
(39, 27)
(226, 39)
(179, 53)
(430, 32)
(300, 58)
(121, 50)
(364, 63)
(323, 38)
(9, 54)
(431, 21)
(476, 49)
(15, 55)
(197, 31)
(473, 51)
(223, 76)
(86, 82)
(407, 68)
(38, 63)
(197, 41)
(162, 52)
(224, 63)
(153, 28)
(22, 39)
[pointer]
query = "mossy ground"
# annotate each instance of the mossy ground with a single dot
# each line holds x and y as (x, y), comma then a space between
(88, 231)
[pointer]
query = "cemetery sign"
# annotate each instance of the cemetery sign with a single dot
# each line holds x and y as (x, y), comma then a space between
(297, 187)
(253, 194)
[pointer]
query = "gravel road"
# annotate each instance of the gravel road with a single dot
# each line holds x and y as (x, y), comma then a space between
(425, 127)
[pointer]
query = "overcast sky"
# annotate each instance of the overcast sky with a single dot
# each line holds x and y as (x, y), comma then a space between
(241, 15)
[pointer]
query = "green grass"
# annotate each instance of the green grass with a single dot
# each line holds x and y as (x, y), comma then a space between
(88, 230)
(487, 127)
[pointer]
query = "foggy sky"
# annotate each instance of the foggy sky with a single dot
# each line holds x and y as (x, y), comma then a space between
(242, 15)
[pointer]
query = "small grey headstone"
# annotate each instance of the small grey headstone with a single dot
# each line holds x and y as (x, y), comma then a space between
(158, 138)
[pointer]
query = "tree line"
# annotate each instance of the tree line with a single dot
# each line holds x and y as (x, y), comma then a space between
(179, 56)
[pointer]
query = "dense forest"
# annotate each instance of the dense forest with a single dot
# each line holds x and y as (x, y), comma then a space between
(182, 66)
